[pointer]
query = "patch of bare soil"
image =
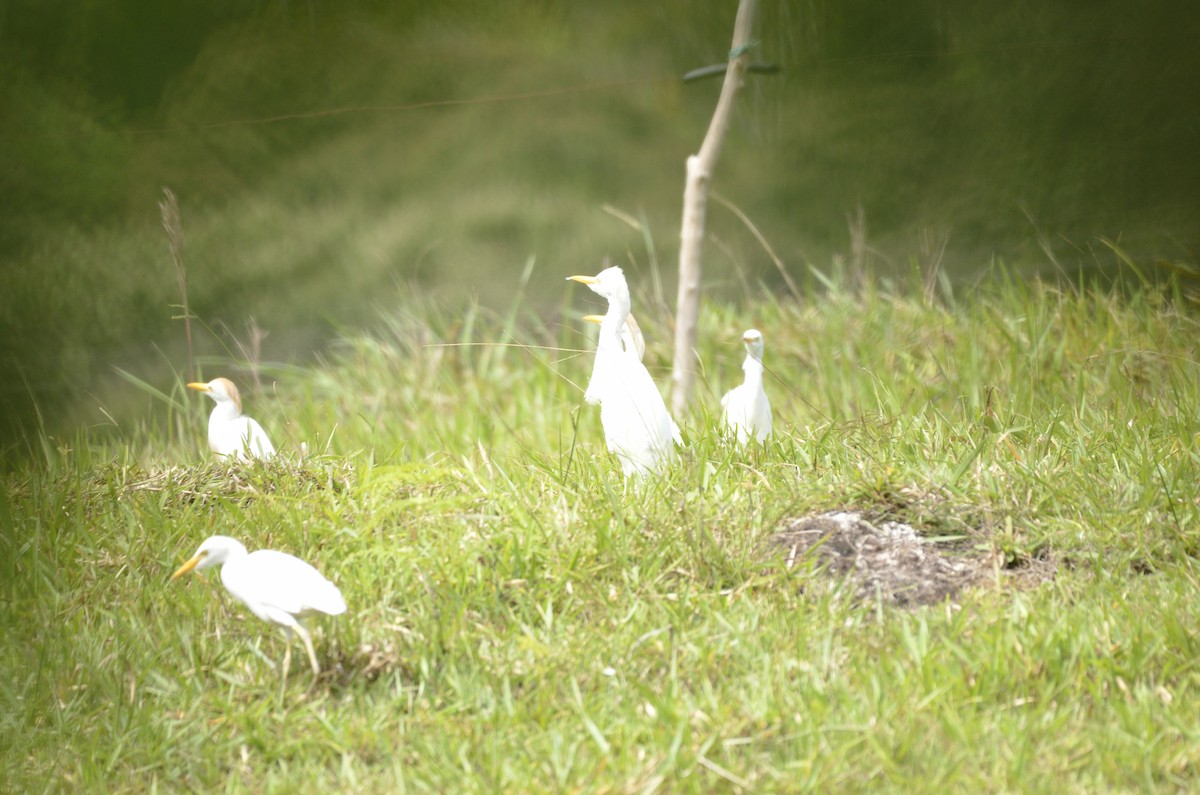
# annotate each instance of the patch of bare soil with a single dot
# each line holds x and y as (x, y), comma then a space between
(889, 561)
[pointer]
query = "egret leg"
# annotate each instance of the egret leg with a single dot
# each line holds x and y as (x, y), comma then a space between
(312, 655)
(287, 657)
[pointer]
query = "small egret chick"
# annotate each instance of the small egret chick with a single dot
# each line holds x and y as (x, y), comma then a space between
(637, 426)
(745, 409)
(229, 431)
(276, 586)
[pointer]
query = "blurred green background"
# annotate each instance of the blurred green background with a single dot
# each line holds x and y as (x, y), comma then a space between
(331, 157)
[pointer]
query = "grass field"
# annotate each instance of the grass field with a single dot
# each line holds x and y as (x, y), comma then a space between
(521, 620)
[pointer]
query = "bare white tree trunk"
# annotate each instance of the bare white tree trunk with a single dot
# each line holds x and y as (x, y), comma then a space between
(695, 203)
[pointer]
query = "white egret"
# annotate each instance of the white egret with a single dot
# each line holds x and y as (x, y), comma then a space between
(745, 409)
(632, 339)
(637, 426)
(276, 586)
(229, 431)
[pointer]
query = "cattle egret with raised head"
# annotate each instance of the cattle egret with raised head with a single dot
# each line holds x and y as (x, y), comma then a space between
(276, 586)
(745, 409)
(229, 431)
(637, 426)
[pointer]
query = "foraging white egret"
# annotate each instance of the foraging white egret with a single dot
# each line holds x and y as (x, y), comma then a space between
(637, 426)
(745, 409)
(229, 431)
(276, 586)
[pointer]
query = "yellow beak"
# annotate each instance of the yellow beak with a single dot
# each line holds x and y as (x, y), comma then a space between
(594, 318)
(199, 387)
(583, 279)
(191, 564)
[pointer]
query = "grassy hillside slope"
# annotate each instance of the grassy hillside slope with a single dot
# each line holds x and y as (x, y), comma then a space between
(520, 619)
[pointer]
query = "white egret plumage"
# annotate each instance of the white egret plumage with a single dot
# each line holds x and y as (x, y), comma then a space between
(277, 587)
(632, 340)
(637, 426)
(229, 431)
(745, 409)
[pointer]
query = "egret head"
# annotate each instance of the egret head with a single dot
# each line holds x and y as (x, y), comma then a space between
(213, 552)
(609, 283)
(221, 390)
(631, 334)
(753, 340)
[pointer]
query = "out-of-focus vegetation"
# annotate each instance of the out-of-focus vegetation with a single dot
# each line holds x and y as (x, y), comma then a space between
(325, 152)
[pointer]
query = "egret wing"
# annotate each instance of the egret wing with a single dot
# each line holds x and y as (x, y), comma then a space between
(256, 439)
(273, 580)
(637, 426)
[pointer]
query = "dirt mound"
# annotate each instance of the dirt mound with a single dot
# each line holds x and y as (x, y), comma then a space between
(889, 561)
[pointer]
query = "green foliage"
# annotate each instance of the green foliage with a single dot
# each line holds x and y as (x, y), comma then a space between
(323, 152)
(521, 619)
